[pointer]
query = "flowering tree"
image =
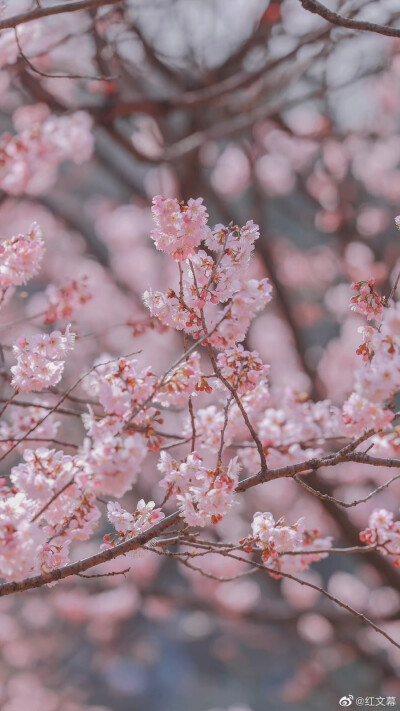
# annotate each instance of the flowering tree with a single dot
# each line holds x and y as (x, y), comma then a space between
(140, 430)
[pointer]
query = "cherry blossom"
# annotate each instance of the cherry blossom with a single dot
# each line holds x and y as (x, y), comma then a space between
(20, 257)
(179, 229)
(242, 369)
(45, 510)
(182, 382)
(384, 533)
(128, 525)
(203, 496)
(40, 361)
(121, 385)
(360, 414)
(113, 462)
(206, 282)
(278, 540)
(248, 408)
(367, 302)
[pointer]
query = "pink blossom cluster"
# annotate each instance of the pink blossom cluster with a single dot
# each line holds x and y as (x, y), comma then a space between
(20, 540)
(179, 228)
(242, 369)
(65, 300)
(384, 533)
(366, 349)
(378, 378)
(360, 414)
(52, 497)
(20, 257)
(387, 443)
(206, 281)
(40, 360)
(204, 496)
(29, 160)
(287, 549)
(367, 302)
(181, 383)
(46, 508)
(128, 394)
(290, 426)
(121, 387)
(128, 524)
(113, 461)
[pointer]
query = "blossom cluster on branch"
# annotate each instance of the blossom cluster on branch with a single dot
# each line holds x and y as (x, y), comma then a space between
(239, 431)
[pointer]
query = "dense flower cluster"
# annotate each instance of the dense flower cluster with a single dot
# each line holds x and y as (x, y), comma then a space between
(207, 281)
(367, 302)
(287, 549)
(242, 369)
(52, 498)
(114, 461)
(128, 524)
(360, 413)
(290, 427)
(47, 507)
(203, 495)
(121, 387)
(29, 160)
(20, 257)
(384, 533)
(378, 378)
(40, 360)
(179, 228)
(183, 382)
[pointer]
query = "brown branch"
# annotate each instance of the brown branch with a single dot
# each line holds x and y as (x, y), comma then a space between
(104, 575)
(351, 533)
(363, 458)
(38, 13)
(34, 69)
(59, 410)
(335, 19)
(132, 544)
(326, 497)
(53, 498)
(210, 94)
(258, 566)
(42, 439)
(143, 538)
(321, 590)
(343, 455)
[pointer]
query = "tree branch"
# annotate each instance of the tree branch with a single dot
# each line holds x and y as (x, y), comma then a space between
(132, 544)
(40, 12)
(335, 19)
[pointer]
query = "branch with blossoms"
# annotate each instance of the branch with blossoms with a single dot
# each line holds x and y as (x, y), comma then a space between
(50, 499)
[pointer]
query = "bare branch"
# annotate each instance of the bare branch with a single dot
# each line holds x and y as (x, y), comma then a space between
(40, 12)
(335, 19)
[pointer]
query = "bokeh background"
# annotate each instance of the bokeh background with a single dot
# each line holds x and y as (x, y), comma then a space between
(270, 113)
